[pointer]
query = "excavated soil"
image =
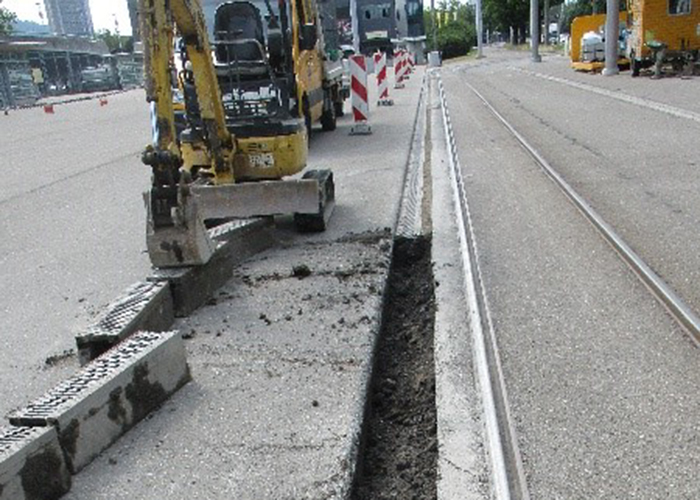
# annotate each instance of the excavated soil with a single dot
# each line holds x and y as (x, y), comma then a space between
(399, 452)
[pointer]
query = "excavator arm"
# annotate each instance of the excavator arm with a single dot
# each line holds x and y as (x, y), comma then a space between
(158, 20)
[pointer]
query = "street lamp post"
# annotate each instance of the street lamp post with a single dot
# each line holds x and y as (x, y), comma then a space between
(435, 28)
(116, 31)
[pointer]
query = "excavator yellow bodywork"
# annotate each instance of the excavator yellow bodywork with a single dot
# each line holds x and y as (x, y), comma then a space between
(232, 137)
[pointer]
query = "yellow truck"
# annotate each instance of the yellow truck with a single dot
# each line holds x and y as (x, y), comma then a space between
(319, 79)
(662, 32)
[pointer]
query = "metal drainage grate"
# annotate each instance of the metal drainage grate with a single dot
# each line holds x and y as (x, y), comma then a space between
(106, 366)
(125, 310)
(221, 231)
(408, 224)
(11, 437)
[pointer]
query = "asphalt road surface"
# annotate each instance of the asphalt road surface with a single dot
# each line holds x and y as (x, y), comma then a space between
(72, 225)
(602, 383)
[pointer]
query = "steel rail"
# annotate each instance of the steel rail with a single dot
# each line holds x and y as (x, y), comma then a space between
(678, 309)
(508, 477)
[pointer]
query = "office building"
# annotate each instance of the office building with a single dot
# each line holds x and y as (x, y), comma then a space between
(69, 17)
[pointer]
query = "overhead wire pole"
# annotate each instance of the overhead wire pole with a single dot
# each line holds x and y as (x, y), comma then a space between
(612, 32)
(434, 15)
(535, 30)
(479, 31)
(354, 21)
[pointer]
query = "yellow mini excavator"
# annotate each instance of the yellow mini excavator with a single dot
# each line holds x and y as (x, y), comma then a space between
(245, 125)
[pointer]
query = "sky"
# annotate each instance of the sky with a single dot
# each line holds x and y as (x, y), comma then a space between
(103, 13)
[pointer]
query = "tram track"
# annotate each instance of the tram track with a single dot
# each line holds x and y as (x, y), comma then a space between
(508, 477)
(677, 308)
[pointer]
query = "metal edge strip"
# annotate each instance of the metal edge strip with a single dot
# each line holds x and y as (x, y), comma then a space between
(506, 462)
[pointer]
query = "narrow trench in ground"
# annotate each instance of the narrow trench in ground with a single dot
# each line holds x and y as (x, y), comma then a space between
(399, 443)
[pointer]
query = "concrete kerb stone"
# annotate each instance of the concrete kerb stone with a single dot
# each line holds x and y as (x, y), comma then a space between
(153, 305)
(32, 464)
(461, 451)
(145, 306)
(191, 287)
(110, 395)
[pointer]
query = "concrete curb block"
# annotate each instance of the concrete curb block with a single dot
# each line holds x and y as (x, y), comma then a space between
(152, 305)
(32, 465)
(462, 462)
(110, 395)
(144, 306)
(193, 286)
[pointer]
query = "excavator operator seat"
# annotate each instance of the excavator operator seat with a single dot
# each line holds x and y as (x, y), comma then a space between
(238, 34)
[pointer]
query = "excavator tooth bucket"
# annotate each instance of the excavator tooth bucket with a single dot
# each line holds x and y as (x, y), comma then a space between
(184, 242)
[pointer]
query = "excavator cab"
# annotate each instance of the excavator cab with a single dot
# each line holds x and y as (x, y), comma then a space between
(250, 85)
(238, 34)
(249, 62)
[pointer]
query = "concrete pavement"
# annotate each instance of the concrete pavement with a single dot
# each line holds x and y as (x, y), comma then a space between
(280, 360)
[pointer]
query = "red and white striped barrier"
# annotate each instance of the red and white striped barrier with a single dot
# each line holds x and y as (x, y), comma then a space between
(377, 56)
(359, 97)
(399, 69)
(382, 83)
(411, 61)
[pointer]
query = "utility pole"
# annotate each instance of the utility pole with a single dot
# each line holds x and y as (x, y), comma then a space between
(535, 30)
(434, 14)
(479, 31)
(545, 22)
(116, 31)
(355, 26)
(612, 33)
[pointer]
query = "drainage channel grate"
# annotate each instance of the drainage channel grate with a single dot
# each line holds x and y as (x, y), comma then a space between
(64, 396)
(408, 224)
(125, 310)
(13, 437)
(222, 231)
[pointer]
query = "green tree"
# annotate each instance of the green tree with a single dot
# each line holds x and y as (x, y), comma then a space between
(7, 18)
(502, 15)
(456, 32)
(116, 43)
(582, 8)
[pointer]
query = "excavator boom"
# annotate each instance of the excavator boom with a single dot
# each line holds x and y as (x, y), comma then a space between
(158, 20)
